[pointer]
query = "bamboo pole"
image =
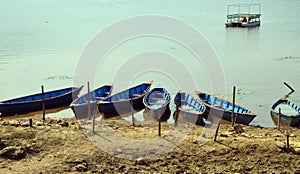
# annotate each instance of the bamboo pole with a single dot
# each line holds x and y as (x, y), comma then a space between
(176, 112)
(159, 127)
(30, 122)
(89, 107)
(94, 123)
(89, 101)
(217, 130)
(279, 118)
(43, 102)
(287, 142)
(233, 105)
(288, 86)
(132, 110)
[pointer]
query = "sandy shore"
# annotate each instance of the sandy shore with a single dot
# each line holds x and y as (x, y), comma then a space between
(67, 146)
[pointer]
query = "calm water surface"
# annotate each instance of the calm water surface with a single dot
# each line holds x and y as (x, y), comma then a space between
(41, 42)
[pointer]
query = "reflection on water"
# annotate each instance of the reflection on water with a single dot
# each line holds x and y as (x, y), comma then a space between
(246, 38)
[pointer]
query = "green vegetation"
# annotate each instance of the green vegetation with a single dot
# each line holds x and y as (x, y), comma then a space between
(18, 135)
(58, 77)
(288, 58)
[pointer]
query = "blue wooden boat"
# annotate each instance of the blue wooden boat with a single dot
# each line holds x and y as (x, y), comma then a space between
(157, 104)
(124, 102)
(189, 108)
(80, 105)
(53, 99)
(287, 117)
(221, 108)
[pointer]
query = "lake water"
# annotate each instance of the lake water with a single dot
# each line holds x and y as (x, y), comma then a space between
(42, 41)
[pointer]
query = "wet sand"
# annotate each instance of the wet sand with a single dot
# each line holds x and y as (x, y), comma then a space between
(65, 146)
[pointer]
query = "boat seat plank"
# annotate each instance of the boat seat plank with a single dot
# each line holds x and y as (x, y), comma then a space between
(99, 98)
(217, 106)
(156, 103)
(122, 99)
(157, 98)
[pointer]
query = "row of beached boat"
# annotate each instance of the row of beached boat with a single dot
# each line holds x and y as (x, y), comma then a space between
(201, 110)
(156, 103)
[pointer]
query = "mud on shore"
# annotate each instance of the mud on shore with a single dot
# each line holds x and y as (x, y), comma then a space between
(65, 146)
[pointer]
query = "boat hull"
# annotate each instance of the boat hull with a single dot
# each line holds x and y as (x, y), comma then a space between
(216, 114)
(242, 24)
(113, 109)
(80, 106)
(251, 24)
(189, 108)
(233, 24)
(125, 102)
(191, 117)
(162, 114)
(81, 111)
(10, 109)
(292, 120)
(217, 108)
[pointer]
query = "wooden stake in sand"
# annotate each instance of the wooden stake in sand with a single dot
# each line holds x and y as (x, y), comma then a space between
(43, 102)
(217, 130)
(287, 142)
(233, 105)
(279, 118)
(132, 110)
(94, 118)
(176, 112)
(89, 100)
(30, 122)
(159, 127)
(89, 106)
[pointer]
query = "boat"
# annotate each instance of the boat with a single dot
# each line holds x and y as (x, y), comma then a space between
(80, 105)
(290, 113)
(31, 103)
(189, 108)
(244, 16)
(124, 102)
(157, 104)
(221, 108)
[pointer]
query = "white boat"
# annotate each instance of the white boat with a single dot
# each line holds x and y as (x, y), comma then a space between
(244, 17)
